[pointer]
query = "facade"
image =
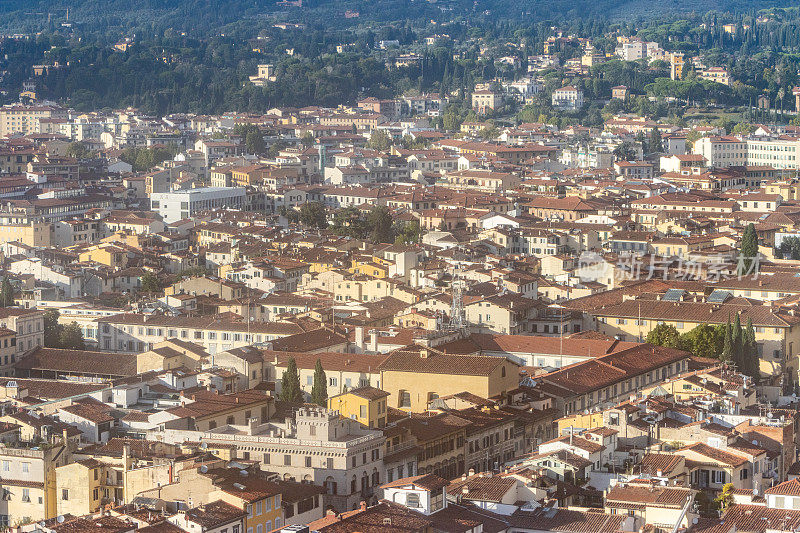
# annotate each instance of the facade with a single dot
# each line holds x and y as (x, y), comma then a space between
(180, 205)
(567, 99)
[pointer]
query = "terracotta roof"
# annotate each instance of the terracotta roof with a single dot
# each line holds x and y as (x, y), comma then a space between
(653, 495)
(416, 358)
(381, 518)
(214, 514)
(79, 361)
(429, 482)
(787, 488)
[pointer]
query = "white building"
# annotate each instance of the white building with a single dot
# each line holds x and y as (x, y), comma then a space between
(567, 98)
(722, 151)
(179, 205)
(754, 151)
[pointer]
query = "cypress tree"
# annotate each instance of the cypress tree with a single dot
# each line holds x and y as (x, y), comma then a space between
(752, 361)
(749, 249)
(290, 384)
(737, 344)
(319, 392)
(6, 293)
(727, 344)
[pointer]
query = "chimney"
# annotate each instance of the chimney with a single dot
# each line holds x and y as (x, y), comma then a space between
(423, 353)
(360, 337)
(465, 489)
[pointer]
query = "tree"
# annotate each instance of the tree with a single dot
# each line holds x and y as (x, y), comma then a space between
(150, 283)
(319, 391)
(307, 139)
(737, 343)
(379, 140)
(625, 152)
(749, 251)
(656, 145)
(725, 499)
(727, 345)
(752, 366)
(409, 233)
(703, 341)
(290, 384)
(790, 246)
(71, 337)
(78, 150)
(664, 335)
(254, 142)
(380, 221)
(6, 293)
(52, 329)
(313, 215)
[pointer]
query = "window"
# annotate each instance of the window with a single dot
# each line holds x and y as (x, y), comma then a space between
(65, 494)
(26, 468)
(332, 382)
(309, 380)
(287, 460)
(412, 500)
(258, 508)
(405, 398)
(249, 511)
(26, 495)
(259, 528)
(717, 476)
(308, 461)
(363, 411)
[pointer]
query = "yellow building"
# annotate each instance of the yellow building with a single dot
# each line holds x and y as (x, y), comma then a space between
(777, 332)
(676, 66)
(29, 482)
(416, 375)
(22, 229)
(261, 499)
(85, 486)
(370, 267)
(366, 405)
(106, 254)
(169, 354)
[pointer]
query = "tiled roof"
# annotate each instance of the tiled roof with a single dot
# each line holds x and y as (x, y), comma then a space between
(655, 495)
(79, 362)
(410, 359)
(428, 482)
(787, 488)
(214, 514)
(385, 517)
(483, 488)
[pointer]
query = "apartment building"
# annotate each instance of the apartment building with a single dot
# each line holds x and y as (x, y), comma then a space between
(722, 151)
(415, 376)
(132, 333)
(180, 205)
(28, 324)
(28, 482)
(21, 119)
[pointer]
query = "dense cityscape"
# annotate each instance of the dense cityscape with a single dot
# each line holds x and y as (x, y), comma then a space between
(412, 267)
